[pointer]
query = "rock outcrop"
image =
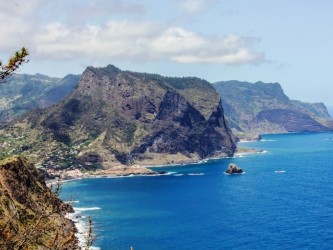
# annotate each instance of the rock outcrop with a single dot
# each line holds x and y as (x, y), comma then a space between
(31, 215)
(115, 116)
(234, 169)
(259, 108)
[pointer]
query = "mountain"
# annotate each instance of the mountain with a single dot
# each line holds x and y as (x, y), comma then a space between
(257, 108)
(22, 92)
(117, 117)
(31, 215)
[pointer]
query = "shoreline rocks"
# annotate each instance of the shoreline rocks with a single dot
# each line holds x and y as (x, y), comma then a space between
(234, 169)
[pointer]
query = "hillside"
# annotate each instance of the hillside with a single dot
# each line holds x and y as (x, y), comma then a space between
(23, 92)
(117, 117)
(31, 216)
(257, 108)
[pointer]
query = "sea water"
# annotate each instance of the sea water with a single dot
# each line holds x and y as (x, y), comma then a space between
(283, 201)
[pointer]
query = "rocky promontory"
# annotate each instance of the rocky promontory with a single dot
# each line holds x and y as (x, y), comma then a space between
(260, 108)
(116, 117)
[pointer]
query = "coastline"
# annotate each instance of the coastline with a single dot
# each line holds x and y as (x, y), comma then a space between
(220, 180)
(120, 172)
(138, 170)
(80, 222)
(72, 175)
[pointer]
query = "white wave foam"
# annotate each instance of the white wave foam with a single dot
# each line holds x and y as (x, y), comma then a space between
(178, 174)
(169, 173)
(195, 174)
(241, 155)
(81, 225)
(71, 202)
(279, 171)
(137, 175)
(206, 160)
(234, 173)
(262, 152)
(80, 209)
(264, 140)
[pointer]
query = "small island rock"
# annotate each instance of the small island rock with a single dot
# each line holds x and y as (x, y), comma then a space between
(234, 169)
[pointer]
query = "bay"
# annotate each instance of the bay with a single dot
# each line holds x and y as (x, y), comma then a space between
(283, 201)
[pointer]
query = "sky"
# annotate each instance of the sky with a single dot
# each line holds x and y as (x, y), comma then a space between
(284, 41)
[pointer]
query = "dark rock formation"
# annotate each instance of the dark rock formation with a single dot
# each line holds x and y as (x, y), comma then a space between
(31, 216)
(233, 169)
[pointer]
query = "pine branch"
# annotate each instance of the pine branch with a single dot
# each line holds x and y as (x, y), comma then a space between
(14, 63)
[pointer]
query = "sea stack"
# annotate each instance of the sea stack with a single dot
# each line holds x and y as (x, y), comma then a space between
(234, 169)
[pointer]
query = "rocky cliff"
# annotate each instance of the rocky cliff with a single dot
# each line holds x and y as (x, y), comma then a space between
(116, 116)
(255, 108)
(31, 216)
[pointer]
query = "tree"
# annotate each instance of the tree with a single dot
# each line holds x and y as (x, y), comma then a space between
(14, 63)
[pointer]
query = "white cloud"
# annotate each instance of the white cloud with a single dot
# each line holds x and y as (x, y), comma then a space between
(240, 56)
(82, 11)
(115, 40)
(174, 41)
(142, 41)
(109, 40)
(19, 8)
(16, 22)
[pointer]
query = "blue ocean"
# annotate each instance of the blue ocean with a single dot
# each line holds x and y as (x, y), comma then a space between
(284, 200)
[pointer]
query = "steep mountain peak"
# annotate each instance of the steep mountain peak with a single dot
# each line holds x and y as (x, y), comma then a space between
(128, 117)
(108, 70)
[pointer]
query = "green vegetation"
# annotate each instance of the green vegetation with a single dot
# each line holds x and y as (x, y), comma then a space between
(23, 92)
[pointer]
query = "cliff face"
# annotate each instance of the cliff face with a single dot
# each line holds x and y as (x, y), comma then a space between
(179, 127)
(115, 116)
(264, 108)
(31, 216)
